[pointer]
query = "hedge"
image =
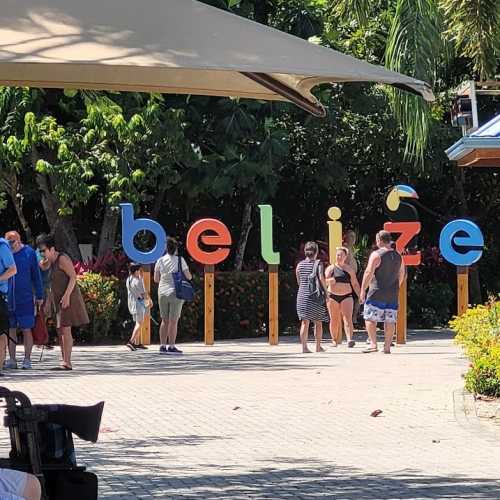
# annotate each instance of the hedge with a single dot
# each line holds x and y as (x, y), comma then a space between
(241, 307)
(478, 332)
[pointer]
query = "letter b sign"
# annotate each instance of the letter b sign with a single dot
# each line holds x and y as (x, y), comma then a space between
(131, 226)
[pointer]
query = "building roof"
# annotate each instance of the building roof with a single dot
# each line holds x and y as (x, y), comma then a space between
(480, 148)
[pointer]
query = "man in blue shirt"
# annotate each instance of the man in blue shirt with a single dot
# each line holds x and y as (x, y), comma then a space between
(7, 270)
(22, 288)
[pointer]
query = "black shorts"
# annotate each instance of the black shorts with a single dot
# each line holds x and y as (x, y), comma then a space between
(4, 314)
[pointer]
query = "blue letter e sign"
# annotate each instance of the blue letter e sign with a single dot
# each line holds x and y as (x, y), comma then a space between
(461, 242)
(131, 226)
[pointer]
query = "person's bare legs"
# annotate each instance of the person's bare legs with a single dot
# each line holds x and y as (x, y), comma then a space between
(32, 490)
(61, 343)
(334, 311)
(66, 340)
(12, 345)
(346, 307)
(371, 328)
(28, 343)
(164, 331)
(134, 338)
(389, 329)
(318, 335)
(3, 347)
(304, 333)
(172, 332)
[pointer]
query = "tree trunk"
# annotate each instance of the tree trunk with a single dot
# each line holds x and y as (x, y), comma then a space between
(107, 238)
(11, 183)
(18, 206)
(60, 227)
(246, 226)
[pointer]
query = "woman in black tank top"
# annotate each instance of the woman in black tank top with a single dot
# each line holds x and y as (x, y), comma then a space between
(342, 283)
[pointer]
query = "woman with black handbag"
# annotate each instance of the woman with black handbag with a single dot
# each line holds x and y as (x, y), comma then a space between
(168, 270)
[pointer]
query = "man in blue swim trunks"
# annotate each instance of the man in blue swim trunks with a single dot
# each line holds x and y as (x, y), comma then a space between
(383, 276)
(24, 287)
(7, 270)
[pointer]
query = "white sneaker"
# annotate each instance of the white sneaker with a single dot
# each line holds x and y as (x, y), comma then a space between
(10, 364)
(26, 364)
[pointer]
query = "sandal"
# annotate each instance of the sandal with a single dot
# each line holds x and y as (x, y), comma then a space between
(370, 349)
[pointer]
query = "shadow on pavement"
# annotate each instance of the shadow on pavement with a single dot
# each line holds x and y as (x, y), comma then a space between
(276, 479)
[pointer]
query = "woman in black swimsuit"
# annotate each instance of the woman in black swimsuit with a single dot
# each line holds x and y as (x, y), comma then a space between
(342, 282)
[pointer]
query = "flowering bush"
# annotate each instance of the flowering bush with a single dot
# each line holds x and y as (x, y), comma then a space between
(478, 332)
(100, 294)
(110, 264)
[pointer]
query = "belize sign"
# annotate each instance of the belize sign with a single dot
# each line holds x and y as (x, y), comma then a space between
(461, 241)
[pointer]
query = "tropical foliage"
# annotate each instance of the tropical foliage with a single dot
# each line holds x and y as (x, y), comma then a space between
(67, 159)
(478, 332)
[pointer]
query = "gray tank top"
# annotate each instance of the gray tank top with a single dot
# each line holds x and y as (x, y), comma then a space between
(384, 287)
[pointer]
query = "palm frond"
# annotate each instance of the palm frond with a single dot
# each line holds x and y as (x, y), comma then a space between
(349, 9)
(414, 47)
(474, 28)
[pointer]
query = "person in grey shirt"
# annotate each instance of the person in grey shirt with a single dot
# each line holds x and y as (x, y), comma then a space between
(383, 276)
(136, 304)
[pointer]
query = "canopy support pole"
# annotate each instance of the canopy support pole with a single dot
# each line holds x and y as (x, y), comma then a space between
(291, 95)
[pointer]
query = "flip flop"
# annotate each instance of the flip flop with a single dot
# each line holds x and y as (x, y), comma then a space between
(370, 349)
(62, 368)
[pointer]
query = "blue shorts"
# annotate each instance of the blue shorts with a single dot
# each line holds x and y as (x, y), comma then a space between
(380, 313)
(12, 484)
(22, 317)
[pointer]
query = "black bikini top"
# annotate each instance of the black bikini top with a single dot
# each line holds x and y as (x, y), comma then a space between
(340, 275)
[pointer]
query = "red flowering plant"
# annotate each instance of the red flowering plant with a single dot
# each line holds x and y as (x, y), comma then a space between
(99, 282)
(110, 264)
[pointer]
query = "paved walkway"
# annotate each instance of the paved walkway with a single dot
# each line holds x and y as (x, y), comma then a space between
(243, 420)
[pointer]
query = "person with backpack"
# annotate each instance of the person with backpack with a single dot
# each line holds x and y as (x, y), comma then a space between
(166, 269)
(137, 304)
(311, 296)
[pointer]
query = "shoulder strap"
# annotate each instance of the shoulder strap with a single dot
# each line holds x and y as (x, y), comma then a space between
(315, 267)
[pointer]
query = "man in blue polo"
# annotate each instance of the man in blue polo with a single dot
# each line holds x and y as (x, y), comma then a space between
(24, 288)
(7, 270)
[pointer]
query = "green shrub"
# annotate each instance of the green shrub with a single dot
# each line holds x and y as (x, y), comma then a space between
(478, 332)
(241, 307)
(429, 304)
(101, 297)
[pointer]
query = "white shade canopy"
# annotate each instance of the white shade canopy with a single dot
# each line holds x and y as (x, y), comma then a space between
(169, 46)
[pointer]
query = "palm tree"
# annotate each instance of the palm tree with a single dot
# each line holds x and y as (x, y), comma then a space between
(424, 36)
